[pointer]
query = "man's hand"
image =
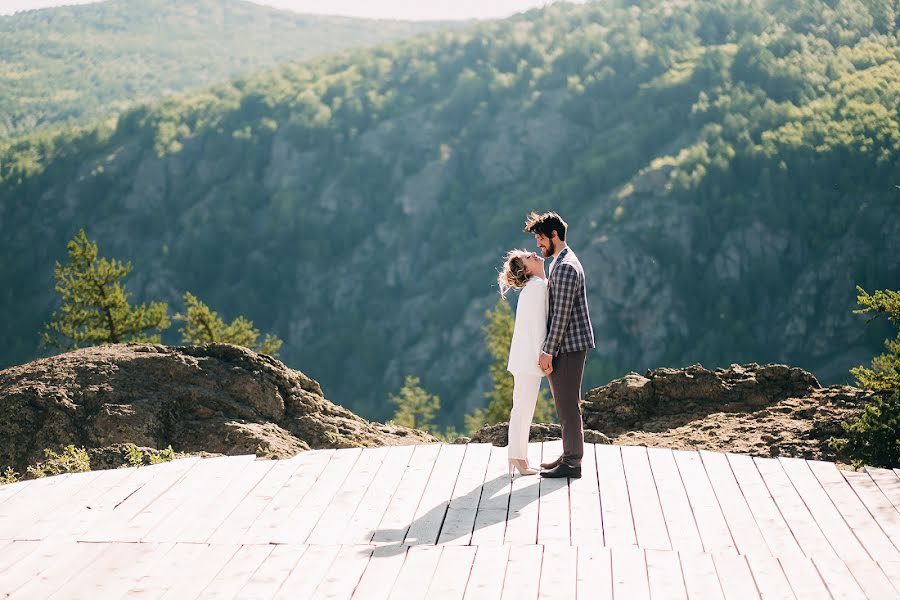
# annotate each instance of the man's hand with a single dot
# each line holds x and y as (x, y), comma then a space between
(546, 363)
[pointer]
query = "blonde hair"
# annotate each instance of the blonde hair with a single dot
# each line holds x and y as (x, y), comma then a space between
(513, 274)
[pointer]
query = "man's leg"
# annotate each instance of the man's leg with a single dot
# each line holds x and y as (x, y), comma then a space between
(565, 383)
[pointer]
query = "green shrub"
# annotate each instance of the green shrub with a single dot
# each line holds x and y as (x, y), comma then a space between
(72, 460)
(873, 438)
(8, 476)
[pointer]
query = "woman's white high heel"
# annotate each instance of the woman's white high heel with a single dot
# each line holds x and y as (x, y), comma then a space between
(520, 465)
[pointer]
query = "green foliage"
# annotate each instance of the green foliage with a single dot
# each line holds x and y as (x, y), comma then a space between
(95, 306)
(203, 326)
(137, 458)
(71, 460)
(873, 438)
(8, 476)
(884, 373)
(416, 408)
(498, 332)
(73, 62)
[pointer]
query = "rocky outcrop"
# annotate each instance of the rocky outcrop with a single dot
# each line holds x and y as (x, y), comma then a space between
(763, 410)
(497, 434)
(214, 398)
(666, 398)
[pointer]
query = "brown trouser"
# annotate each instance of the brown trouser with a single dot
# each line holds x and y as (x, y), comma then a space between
(565, 385)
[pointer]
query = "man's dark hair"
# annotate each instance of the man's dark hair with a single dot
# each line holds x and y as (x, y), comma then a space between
(545, 224)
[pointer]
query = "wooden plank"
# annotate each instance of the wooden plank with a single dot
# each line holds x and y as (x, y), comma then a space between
(236, 572)
(803, 577)
(339, 510)
(679, 517)
(53, 523)
(34, 503)
(374, 502)
(594, 578)
(276, 523)
(522, 518)
(837, 577)
(892, 571)
(769, 577)
(584, 501)
(768, 517)
(14, 551)
(804, 527)
(452, 573)
(188, 487)
(888, 482)
(553, 504)
(649, 521)
(855, 514)
(523, 573)
(700, 576)
(117, 509)
(744, 530)
(429, 516)
(559, 572)
(488, 572)
(735, 576)
(65, 566)
(158, 576)
(32, 565)
(400, 510)
(881, 509)
(274, 493)
(196, 497)
(270, 575)
(108, 575)
(664, 575)
(381, 572)
(344, 573)
(8, 490)
(416, 572)
(823, 510)
(615, 507)
(872, 579)
(308, 572)
(711, 522)
(203, 525)
(629, 574)
(493, 505)
(460, 519)
(199, 570)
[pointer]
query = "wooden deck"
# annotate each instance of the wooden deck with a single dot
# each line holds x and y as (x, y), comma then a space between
(444, 521)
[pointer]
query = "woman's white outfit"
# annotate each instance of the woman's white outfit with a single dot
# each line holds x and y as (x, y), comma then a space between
(524, 351)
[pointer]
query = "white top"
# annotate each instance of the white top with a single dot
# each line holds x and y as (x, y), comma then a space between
(530, 329)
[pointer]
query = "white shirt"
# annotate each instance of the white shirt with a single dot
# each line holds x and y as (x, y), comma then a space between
(530, 328)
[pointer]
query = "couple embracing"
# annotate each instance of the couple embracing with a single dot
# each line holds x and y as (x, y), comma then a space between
(551, 337)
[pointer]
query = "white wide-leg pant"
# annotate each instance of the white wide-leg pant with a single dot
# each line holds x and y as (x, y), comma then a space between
(525, 392)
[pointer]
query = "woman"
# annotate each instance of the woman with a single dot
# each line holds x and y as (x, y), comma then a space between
(524, 271)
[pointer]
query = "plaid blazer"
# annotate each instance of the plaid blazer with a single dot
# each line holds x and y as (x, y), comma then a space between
(568, 322)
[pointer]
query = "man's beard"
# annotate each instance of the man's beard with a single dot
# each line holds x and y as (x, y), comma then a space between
(550, 251)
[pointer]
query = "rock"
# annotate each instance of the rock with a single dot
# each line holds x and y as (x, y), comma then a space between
(215, 398)
(497, 435)
(666, 398)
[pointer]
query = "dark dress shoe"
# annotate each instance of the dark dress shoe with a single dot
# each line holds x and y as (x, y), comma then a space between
(563, 470)
(553, 464)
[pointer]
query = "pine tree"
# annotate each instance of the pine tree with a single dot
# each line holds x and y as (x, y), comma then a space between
(416, 408)
(95, 306)
(498, 332)
(873, 438)
(203, 326)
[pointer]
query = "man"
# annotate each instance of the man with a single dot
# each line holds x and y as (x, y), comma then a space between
(569, 337)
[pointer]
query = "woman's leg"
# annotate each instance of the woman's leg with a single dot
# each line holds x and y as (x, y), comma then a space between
(525, 391)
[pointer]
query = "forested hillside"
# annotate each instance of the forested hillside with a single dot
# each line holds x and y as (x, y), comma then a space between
(729, 170)
(71, 62)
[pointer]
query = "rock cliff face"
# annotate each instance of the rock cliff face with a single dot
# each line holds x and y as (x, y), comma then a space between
(215, 398)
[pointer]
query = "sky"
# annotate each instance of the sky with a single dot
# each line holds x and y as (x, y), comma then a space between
(381, 9)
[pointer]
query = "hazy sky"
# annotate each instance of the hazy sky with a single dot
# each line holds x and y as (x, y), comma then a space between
(385, 9)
